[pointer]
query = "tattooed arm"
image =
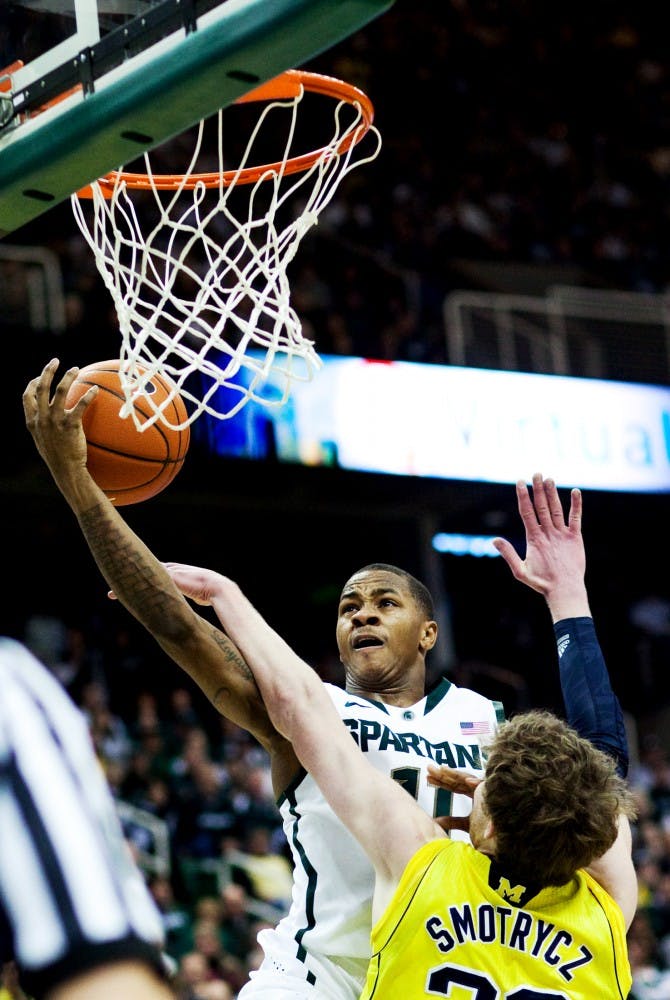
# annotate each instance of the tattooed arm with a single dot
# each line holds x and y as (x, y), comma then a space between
(138, 578)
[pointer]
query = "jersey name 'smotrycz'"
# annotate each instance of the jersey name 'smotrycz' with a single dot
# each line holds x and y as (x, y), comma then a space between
(331, 913)
(466, 925)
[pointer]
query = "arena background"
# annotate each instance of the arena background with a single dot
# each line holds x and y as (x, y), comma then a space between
(523, 148)
(499, 172)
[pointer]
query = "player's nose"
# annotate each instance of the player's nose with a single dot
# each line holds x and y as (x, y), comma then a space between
(365, 615)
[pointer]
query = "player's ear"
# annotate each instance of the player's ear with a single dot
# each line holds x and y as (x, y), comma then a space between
(428, 635)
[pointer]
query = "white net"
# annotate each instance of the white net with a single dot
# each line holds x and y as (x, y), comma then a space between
(199, 276)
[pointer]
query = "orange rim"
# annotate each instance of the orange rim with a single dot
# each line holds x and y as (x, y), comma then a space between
(6, 75)
(287, 85)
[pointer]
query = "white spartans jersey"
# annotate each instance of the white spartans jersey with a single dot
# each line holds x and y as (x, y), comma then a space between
(331, 912)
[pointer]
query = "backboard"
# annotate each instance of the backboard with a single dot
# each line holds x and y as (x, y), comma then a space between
(89, 85)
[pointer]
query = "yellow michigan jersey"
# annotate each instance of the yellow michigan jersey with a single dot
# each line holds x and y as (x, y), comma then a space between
(456, 927)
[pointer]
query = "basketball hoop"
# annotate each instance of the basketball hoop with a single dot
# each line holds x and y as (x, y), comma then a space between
(204, 296)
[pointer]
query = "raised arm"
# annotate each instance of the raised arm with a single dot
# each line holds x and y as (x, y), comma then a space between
(137, 577)
(386, 821)
(555, 566)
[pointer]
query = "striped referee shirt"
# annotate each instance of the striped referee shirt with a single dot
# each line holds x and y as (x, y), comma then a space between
(71, 896)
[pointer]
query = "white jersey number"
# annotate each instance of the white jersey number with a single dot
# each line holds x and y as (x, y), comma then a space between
(409, 778)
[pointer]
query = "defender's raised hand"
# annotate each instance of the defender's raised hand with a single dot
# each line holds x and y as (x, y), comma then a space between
(555, 560)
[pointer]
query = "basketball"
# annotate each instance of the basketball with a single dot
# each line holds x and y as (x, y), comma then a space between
(127, 464)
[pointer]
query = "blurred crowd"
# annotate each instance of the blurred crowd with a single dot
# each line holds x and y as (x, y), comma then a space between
(649, 934)
(512, 132)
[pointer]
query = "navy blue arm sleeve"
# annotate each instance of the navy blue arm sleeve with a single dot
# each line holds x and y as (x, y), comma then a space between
(591, 706)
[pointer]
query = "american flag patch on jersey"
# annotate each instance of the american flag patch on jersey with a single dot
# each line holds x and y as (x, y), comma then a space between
(474, 728)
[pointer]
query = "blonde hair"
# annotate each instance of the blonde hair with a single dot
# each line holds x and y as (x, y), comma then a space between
(554, 799)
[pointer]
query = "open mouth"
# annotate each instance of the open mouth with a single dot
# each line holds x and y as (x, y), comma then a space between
(366, 641)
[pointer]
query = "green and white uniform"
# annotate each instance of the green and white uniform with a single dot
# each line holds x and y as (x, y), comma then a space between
(322, 947)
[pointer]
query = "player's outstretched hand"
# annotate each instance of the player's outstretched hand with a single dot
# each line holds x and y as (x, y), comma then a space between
(57, 431)
(555, 561)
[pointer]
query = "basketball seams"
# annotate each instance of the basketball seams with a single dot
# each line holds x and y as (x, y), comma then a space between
(103, 448)
(179, 415)
(111, 390)
(154, 471)
(129, 465)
